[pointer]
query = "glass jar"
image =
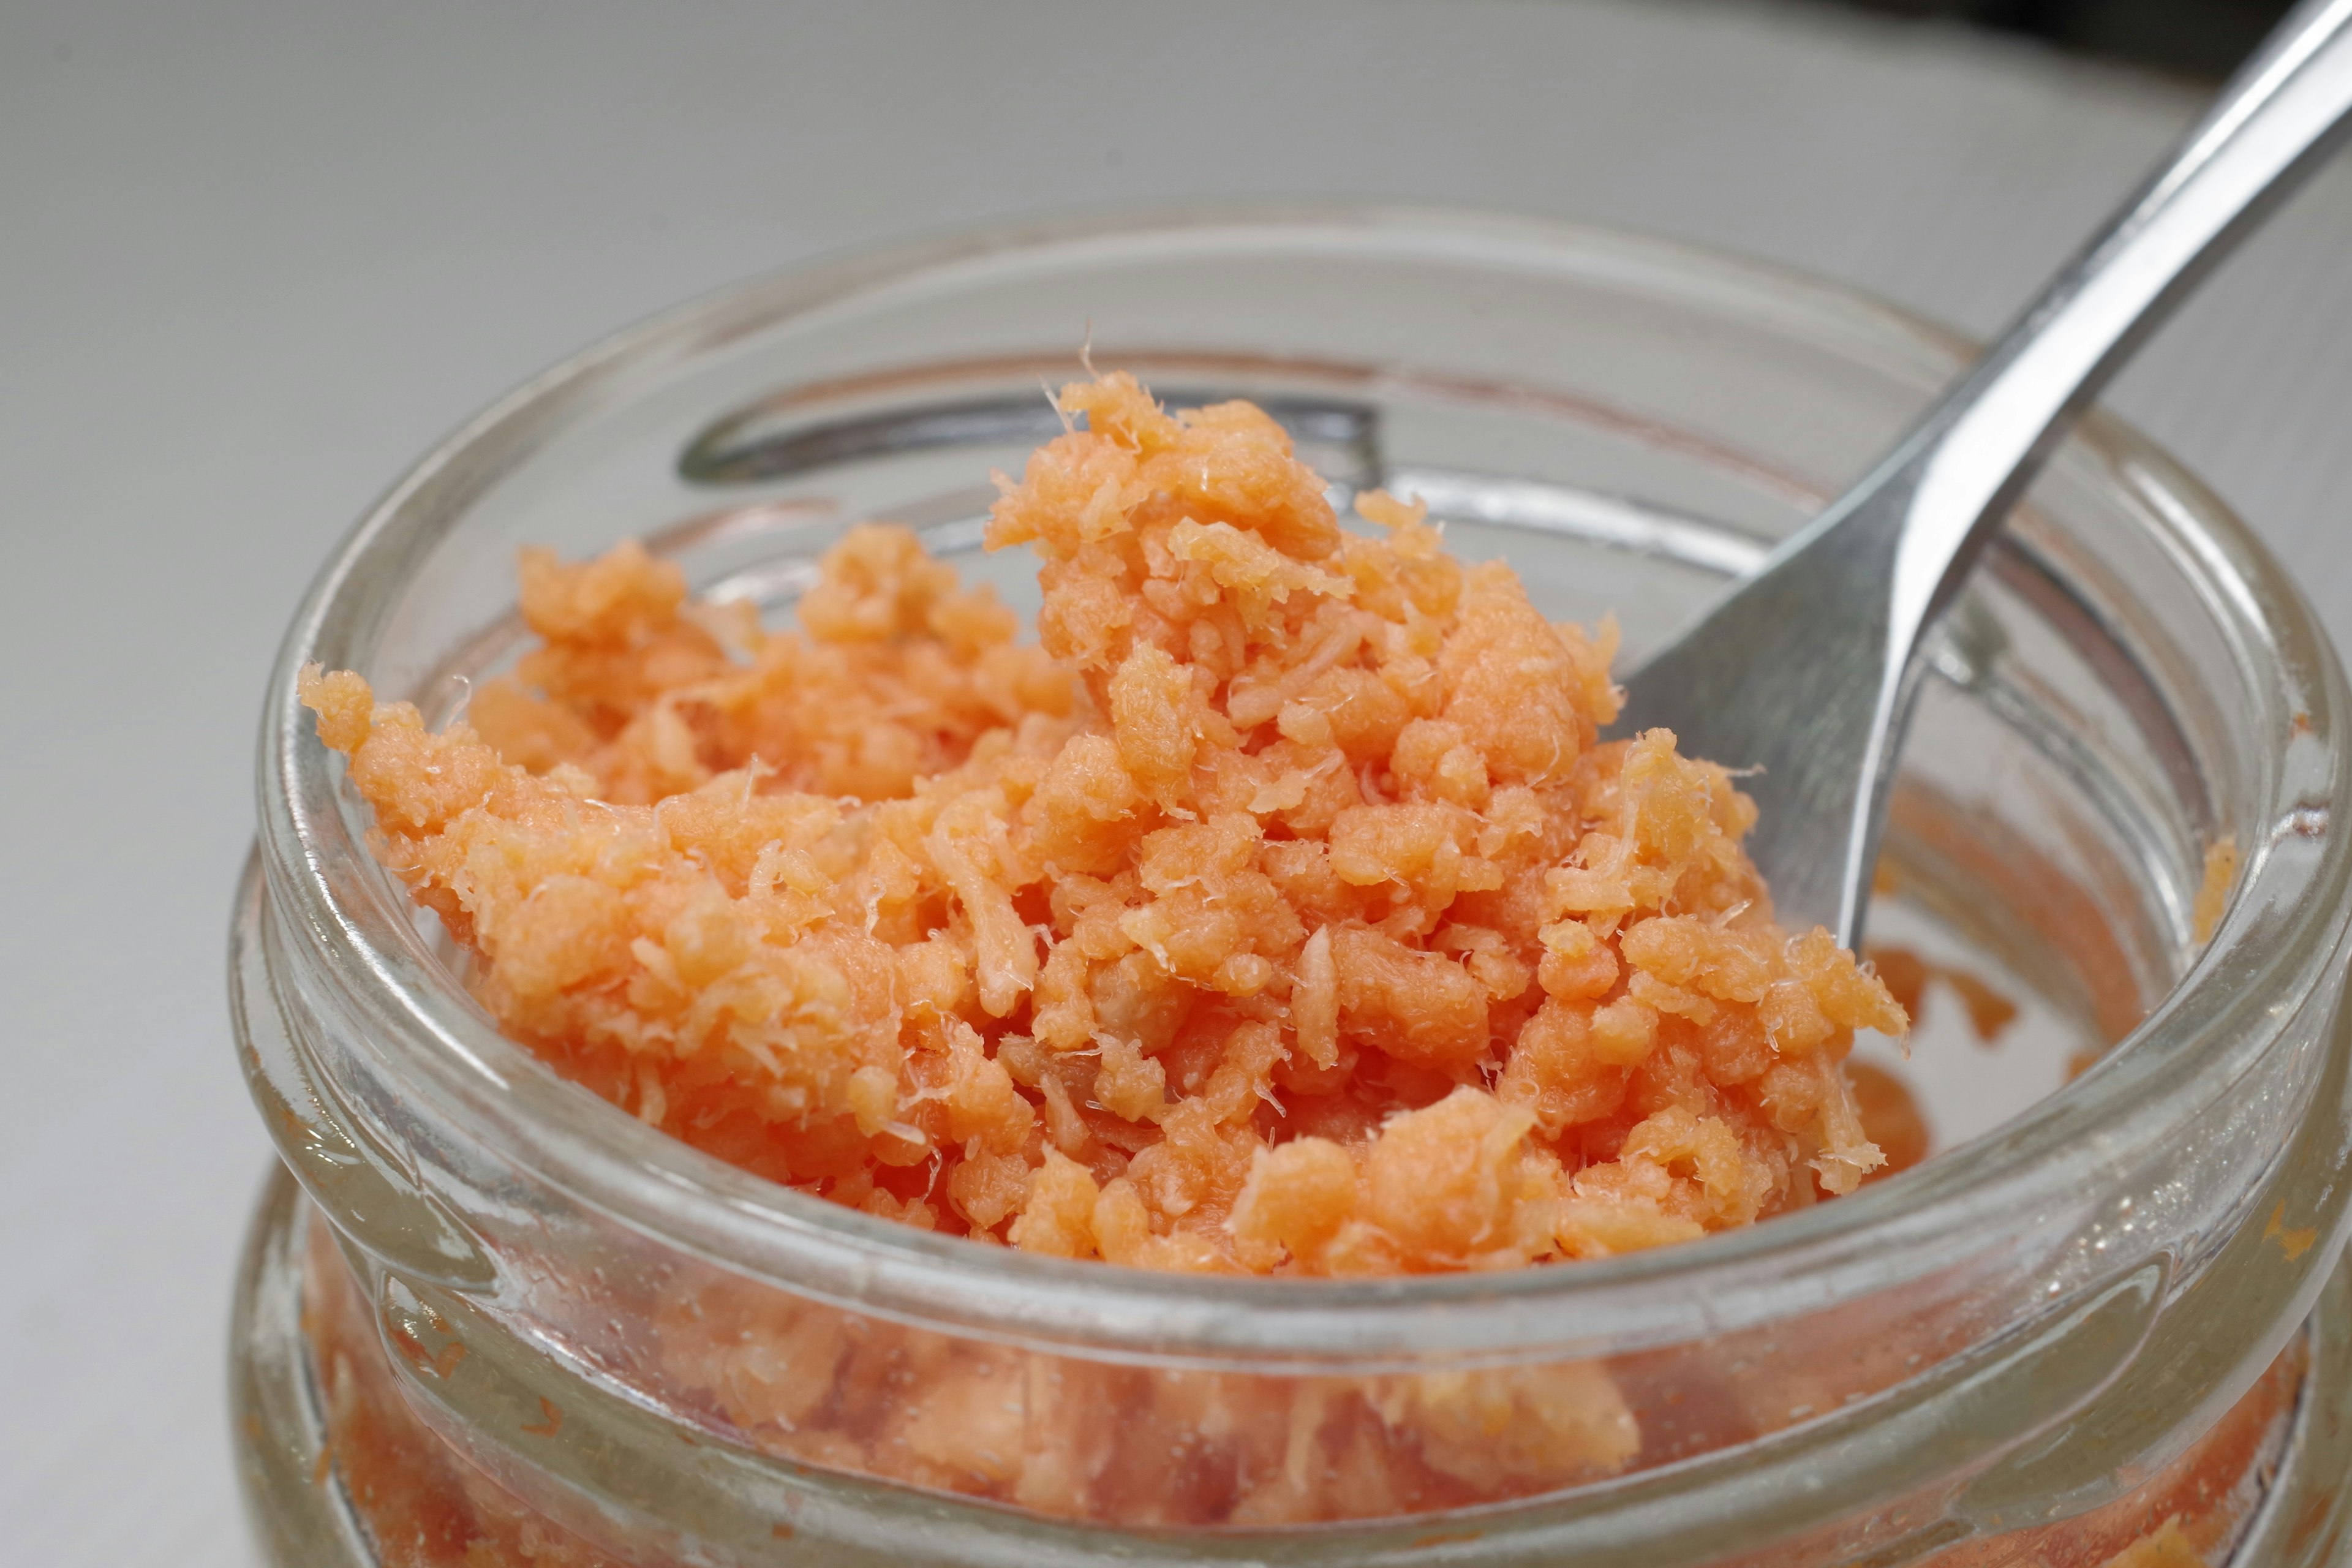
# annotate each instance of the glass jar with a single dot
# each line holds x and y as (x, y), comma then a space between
(504, 1322)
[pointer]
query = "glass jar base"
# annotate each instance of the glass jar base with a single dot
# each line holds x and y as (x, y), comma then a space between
(332, 1462)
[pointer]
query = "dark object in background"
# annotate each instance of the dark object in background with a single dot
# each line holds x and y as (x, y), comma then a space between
(2195, 38)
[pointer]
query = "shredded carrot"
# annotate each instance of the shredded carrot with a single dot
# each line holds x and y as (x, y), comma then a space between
(1279, 910)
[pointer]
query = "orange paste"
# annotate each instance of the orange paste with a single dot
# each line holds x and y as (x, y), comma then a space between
(1280, 910)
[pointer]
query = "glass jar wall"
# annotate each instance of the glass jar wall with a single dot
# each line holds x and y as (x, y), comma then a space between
(512, 1320)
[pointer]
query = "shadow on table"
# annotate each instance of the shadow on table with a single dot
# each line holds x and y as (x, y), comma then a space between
(2203, 38)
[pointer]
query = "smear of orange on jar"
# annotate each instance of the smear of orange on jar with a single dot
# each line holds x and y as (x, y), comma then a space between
(1906, 976)
(1280, 912)
(2214, 891)
(2294, 1243)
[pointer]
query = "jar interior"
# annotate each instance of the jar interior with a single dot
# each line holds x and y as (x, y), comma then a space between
(2054, 802)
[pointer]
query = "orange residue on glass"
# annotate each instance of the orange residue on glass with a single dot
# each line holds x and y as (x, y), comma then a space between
(1906, 976)
(2213, 889)
(1446, 1538)
(440, 1363)
(2294, 1243)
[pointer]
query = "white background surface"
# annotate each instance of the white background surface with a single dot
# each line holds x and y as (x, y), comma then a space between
(255, 257)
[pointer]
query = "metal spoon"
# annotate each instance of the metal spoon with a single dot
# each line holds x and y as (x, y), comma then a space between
(1807, 668)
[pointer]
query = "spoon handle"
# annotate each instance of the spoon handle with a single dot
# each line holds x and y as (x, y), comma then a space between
(1967, 461)
(1806, 669)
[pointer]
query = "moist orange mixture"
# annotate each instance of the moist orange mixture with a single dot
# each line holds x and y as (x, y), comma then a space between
(427, 1507)
(1280, 910)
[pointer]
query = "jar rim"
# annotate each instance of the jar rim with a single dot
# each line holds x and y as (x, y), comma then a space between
(2287, 917)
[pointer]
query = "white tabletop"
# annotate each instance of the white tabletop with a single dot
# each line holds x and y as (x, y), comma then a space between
(254, 256)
